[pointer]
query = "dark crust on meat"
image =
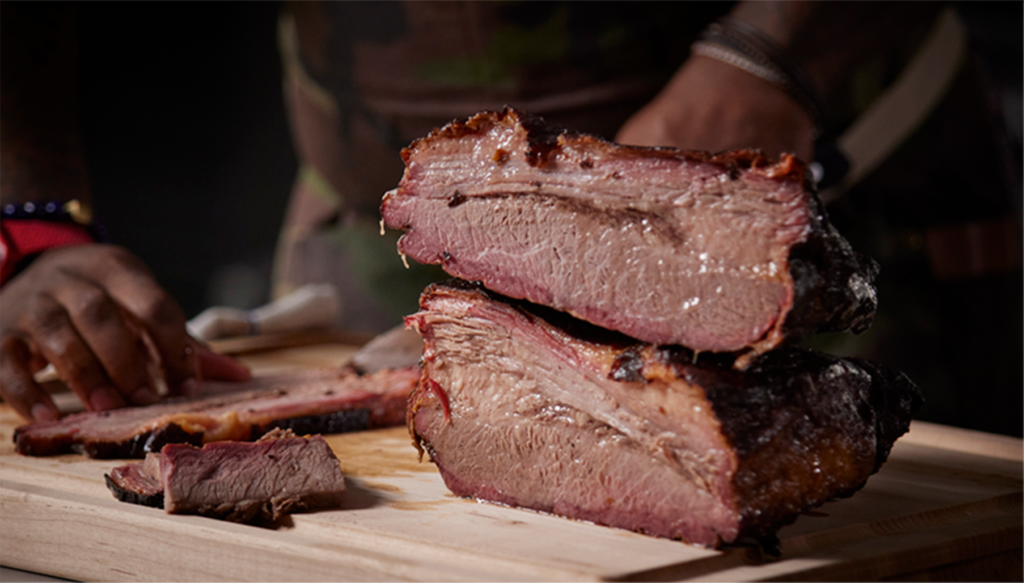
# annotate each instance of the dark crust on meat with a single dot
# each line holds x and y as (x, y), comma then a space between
(124, 495)
(141, 444)
(896, 400)
(544, 139)
(136, 447)
(756, 409)
(336, 422)
(781, 379)
(824, 269)
(27, 445)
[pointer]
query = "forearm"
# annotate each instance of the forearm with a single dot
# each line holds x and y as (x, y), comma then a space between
(831, 41)
(40, 142)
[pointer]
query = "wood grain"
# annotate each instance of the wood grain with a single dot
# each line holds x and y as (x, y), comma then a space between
(948, 503)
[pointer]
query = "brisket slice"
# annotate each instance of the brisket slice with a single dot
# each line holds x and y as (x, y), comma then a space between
(524, 406)
(138, 483)
(236, 481)
(716, 252)
(314, 401)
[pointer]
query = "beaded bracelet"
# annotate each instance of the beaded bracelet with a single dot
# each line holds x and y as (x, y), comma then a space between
(28, 229)
(71, 211)
(743, 46)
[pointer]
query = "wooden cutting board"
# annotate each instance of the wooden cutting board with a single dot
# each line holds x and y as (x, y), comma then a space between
(946, 505)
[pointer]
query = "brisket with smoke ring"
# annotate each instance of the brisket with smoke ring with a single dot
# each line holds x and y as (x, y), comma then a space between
(721, 253)
(525, 406)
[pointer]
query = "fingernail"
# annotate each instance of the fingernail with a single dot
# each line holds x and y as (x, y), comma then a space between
(189, 387)
(43, 412)
(143, 396)
(102, 399)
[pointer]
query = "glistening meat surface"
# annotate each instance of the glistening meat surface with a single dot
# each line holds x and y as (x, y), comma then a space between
(524, 406)
(314, 401)
(718, 253)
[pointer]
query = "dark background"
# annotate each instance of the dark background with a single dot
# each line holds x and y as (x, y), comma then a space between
(186, 140)
(191, 160)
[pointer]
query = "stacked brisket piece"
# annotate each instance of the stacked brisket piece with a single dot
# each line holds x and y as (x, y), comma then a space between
(672, 405)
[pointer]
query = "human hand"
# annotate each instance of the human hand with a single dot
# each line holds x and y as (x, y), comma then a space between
(713, 106)
(90, 310)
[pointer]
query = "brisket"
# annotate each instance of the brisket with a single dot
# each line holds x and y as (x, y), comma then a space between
(525, 406)
(138, 483)
(314, 401)
(241, 482)
(720, 253)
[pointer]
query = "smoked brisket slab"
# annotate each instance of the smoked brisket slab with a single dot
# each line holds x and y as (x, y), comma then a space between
(719, 253)
(314, 401)
(525, 406)
(237, 481)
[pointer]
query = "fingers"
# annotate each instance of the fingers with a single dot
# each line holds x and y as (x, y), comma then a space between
(54, 335)
(97, 314)
(17, 387)
(218, 366)
(116, 344)
(153, 309)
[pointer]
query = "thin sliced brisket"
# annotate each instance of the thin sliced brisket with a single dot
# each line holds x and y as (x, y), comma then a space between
(236, 481)
(314, 401)
(718, 253)
(522, 405)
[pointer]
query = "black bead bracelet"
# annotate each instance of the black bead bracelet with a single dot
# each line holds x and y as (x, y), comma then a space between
(71, 211)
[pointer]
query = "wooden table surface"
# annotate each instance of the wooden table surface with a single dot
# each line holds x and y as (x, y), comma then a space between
(946, 506)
